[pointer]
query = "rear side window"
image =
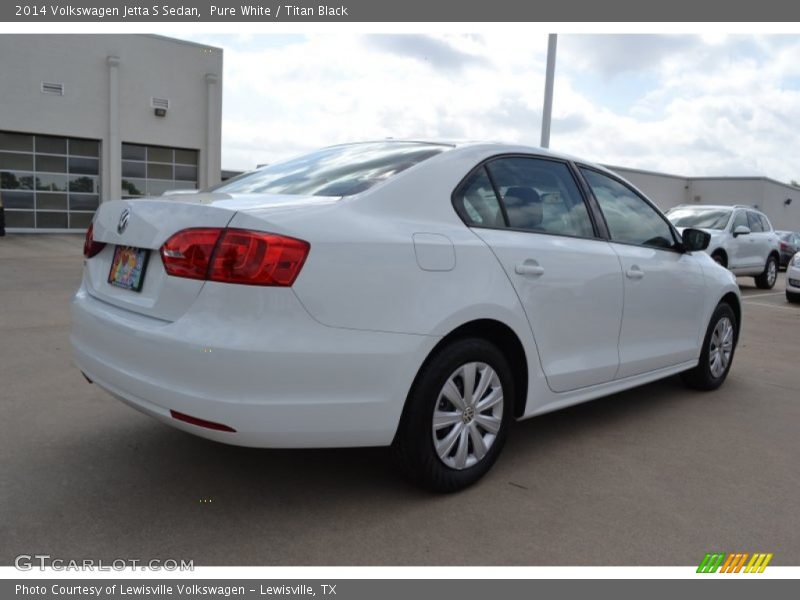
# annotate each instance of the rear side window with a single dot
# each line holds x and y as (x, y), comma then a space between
(630, 219)
(477, 203)
(765, 223)
(754, 222)
(336, 171)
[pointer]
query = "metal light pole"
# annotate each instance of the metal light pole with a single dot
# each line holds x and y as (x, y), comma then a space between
(548, 89)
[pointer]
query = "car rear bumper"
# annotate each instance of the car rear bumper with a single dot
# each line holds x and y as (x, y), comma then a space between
(254, 361)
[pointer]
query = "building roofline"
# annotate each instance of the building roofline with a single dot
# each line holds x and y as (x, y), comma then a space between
(689, 179)
(179, 41)
(646, 172)
(747, 178)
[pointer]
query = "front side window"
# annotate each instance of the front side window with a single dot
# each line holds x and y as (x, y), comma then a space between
(740, 220)
(336, 171)
(541, 195)
(630, 219)
(754, 222)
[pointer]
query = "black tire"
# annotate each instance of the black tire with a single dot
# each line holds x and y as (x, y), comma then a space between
(719, 258)
(413, 446)
(792, 297)
(765, 281)
(701, 377)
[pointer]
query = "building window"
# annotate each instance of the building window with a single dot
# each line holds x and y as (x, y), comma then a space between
(153, 170)
(49, 182)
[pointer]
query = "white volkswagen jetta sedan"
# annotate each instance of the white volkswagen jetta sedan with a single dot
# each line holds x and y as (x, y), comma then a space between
(412, 294)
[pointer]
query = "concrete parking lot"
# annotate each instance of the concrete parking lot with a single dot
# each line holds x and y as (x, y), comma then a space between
(653, 476)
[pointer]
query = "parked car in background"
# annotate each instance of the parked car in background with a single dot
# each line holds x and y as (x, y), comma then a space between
(789, 245)
(793, 279)
(742, 238)
(408, 294)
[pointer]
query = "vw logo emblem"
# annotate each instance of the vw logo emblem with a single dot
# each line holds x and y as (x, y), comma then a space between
(123, 220)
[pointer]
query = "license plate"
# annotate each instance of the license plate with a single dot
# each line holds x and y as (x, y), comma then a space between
(128, 267)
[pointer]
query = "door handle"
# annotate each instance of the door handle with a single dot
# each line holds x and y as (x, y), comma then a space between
(635, 272)
(529, 267)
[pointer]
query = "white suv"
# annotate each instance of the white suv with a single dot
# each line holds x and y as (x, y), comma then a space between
(742, 238)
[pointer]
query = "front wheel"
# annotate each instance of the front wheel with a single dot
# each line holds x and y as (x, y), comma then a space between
(792, 297)
(456, 417)
(767, 279)
(718, 348)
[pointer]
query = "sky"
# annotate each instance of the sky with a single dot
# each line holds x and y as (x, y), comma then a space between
(688, 105)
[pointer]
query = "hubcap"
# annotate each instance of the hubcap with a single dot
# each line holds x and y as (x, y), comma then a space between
(468, 415)
(720, 347)
(772, 272)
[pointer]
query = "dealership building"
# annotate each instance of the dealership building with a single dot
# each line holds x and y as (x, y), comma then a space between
(87, 118)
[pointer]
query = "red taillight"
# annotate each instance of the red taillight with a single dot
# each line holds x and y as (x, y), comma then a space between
(200, 422)
(234, 256)
(90, 247)
(784, 246)
(257, 258)
(188, 252)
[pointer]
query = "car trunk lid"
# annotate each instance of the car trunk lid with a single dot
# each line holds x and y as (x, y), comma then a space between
(148, 223)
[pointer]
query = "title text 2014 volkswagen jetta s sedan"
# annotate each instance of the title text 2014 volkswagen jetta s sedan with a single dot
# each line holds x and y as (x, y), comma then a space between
(418, 295)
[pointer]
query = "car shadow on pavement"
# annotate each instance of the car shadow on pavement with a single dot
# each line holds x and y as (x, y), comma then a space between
(128, 483)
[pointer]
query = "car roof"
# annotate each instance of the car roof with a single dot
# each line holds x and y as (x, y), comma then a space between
(492, 147)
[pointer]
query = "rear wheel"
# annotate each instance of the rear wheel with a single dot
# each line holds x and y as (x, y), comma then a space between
(767, 279)
(456, 417)
(792, 296)
(718, 348)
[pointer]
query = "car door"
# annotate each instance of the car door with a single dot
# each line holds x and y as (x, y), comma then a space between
(759, 240)
(740, 251)
(664, 286)
(533, 216)
(771, 240)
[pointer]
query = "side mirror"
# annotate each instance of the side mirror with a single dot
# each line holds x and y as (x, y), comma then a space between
(741, 230)
(695, 239)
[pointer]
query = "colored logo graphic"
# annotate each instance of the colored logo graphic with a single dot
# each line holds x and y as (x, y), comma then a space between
(734, 562)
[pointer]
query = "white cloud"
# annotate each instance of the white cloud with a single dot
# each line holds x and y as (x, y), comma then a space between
(693, 105)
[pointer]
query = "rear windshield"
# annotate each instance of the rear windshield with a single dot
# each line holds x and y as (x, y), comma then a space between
(336, 171)
(703, 218)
